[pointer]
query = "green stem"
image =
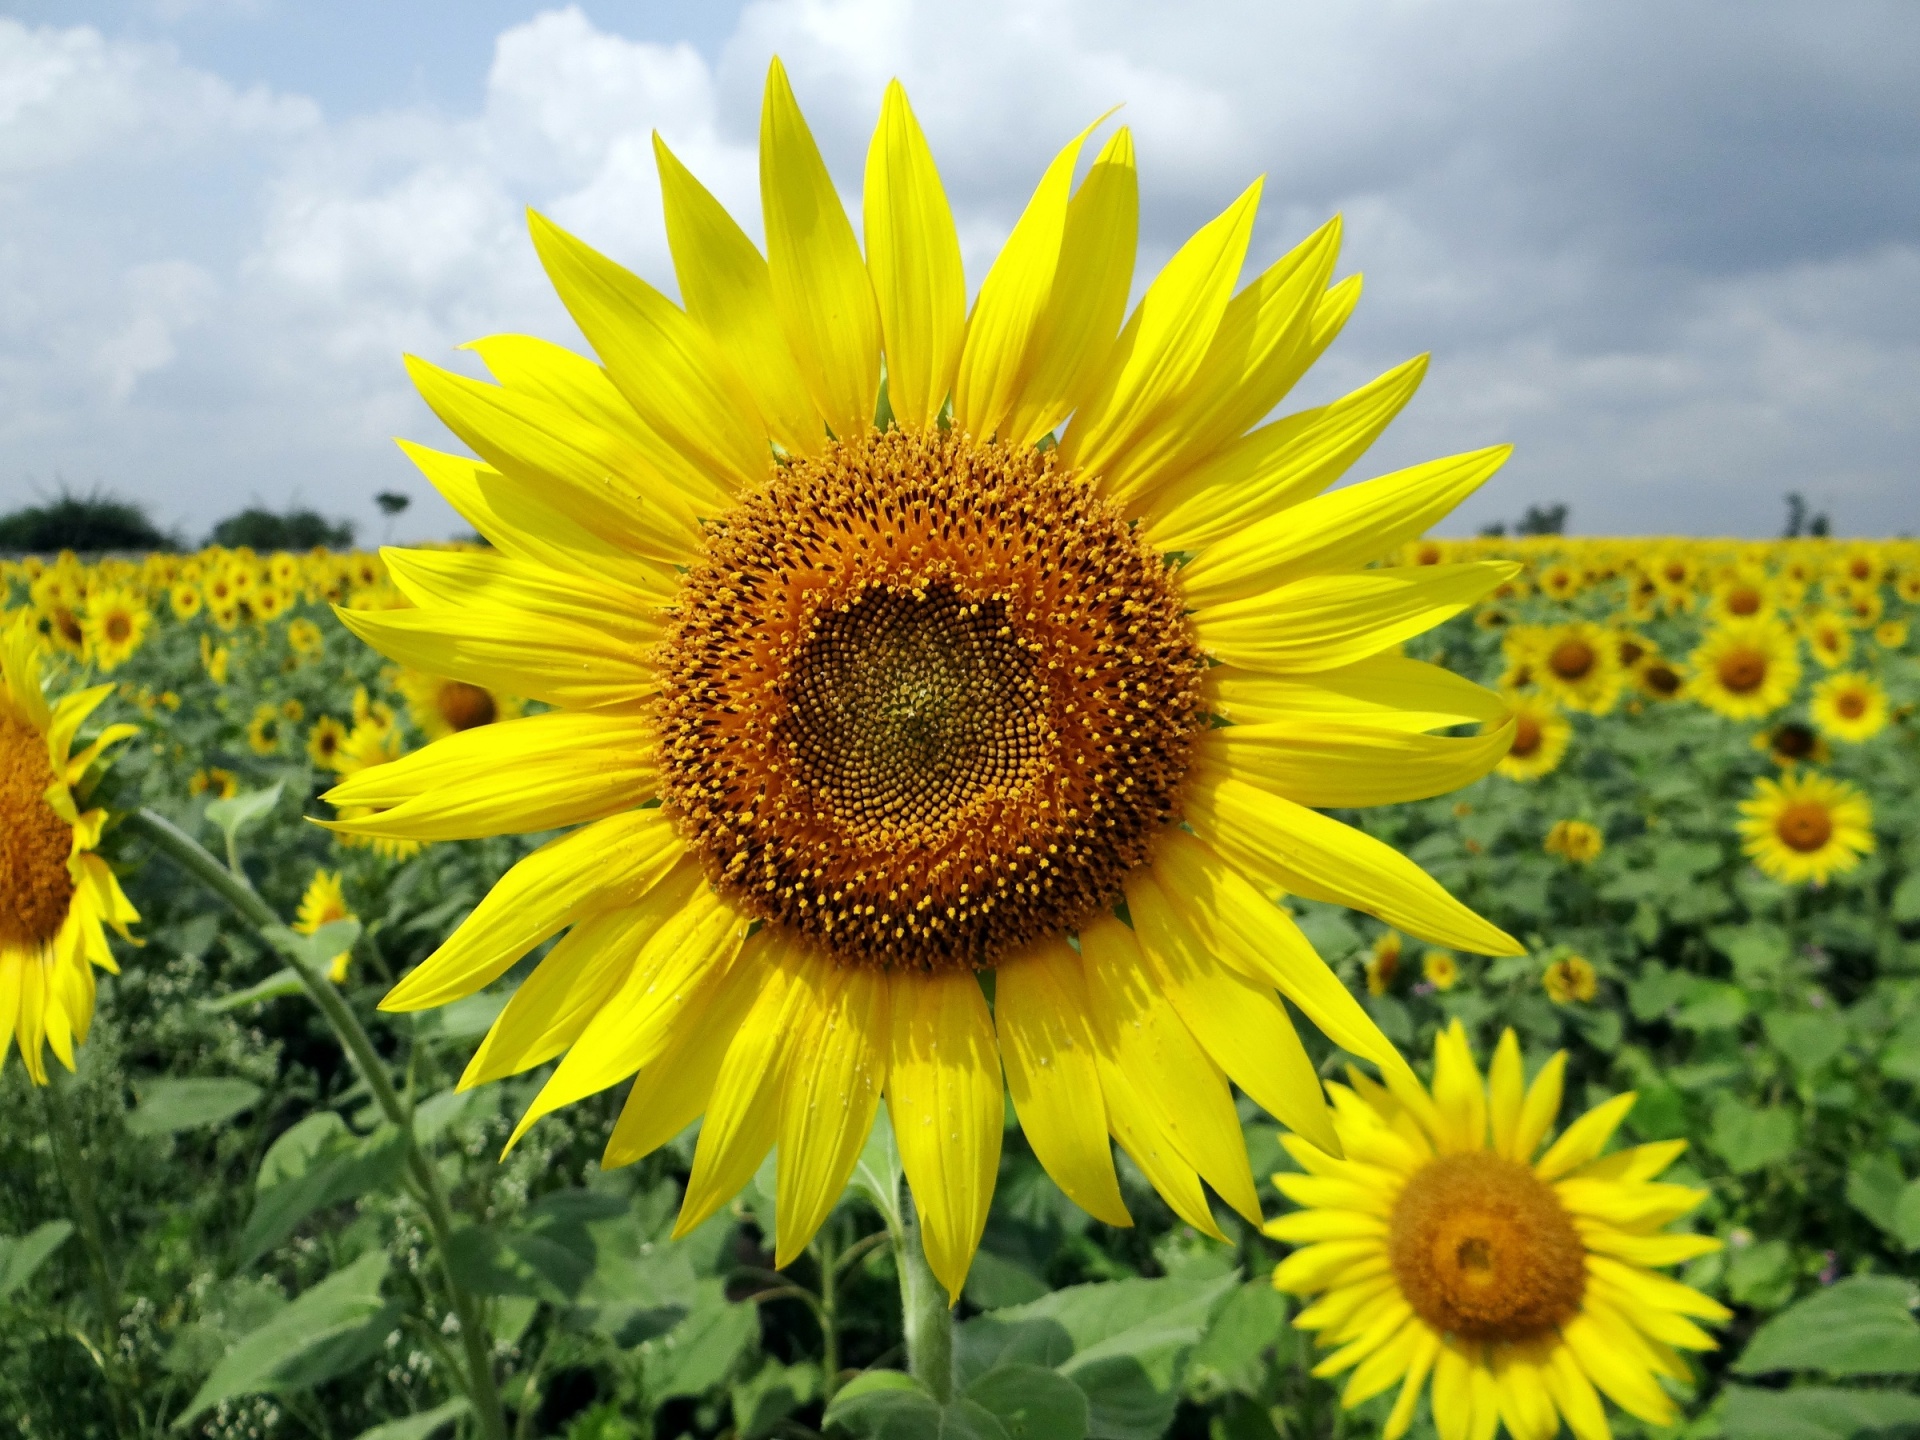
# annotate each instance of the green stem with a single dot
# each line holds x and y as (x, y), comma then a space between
(829, 1256)
(78, 1178)
(272, 932)
(924, 1308)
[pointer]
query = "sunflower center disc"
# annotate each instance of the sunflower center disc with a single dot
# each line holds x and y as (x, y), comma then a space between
(1805, 827)
(1743, 670)
(1483, 1249)
(925, 700)
(464, 706)
(35, 888)
(1572, 659)
(1526, 736)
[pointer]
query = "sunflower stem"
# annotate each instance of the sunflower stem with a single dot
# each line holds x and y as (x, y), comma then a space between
(924, 1308)
(271, 931)
(77, 1175)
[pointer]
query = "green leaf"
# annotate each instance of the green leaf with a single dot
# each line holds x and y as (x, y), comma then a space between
(1761, 1275)
(1751, 1139)
(275, 986)
(1906, 899)
(994, 1282)
(702, 1350)
(773, 1393)
(1237, 1351)
(1711, 1005)
(1900, 1060)
(1032, 1403)
(312, 1166)
(1874, 1183)
(1906, 1216)
(1815, 1412)
(243, 809)
(167, 1106)
(336, 1325)
(21, 1257)
(1810, 1041)
(886, 1405)
(1861, 1326)
(316, 951)
(440, 1112)
(490, 1261)
(877, 1174)
(419, 1427)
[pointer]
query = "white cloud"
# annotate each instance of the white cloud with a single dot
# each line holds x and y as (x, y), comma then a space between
(205, 289)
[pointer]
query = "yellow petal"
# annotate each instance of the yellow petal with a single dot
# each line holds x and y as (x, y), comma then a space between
(1459, 1097)
(485, 580)
(1574, 1396)
(1276, 466)
(1420, 1358)
(1541, 1107)
(1136, 1031)
(1585, 1138)
(587, 474)
(669, 1094)
(1248, 367)
(913, 257)
(728, 290)
(1506, 1092)
(1012, 302)
(1611, 1360)
(1040, 1011)
(944, 1097)
(1163, 347)
(555, 374)
(1308, 854)
(1327, 621)
(1136, 1125)
(1340, 531)
(1334, 765)
(743, 1111)
(1649, 1289)
(513, 777)
(538, 656)
(820, 287)
(1242, 1026)
(694, 941)
(602, 866)
(836, 1070)
(1389, 691)
(673, 375)
(1088, 295)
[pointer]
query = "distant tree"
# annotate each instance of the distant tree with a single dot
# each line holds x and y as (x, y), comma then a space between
(392, 502)
(84, 523)
(1542, 520)
(1800, 522)
(1494, 531)
(262, 529)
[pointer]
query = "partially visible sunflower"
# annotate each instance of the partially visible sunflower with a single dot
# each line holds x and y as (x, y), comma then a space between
(117, 621)
(56, 894)
(1382, 965)
(266, 730)
(325, 742)
(446, 707)
(1745, 671)
(323, 903)
(221, 784)
(185, 599)
(1850, 706)
(1792, 743)
(1829, 637)
(1805, 827)
(1744, 593)
(1541, 735)
(1570, 980)
(1890, 634)
(1448, 1245)
(1574, 841)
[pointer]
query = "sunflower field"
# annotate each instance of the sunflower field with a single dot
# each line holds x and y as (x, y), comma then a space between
(226, 1222)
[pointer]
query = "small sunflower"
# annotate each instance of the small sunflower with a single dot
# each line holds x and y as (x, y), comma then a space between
(1382, 965)
(446, 707)
(1745, 671)
(1891, 634)
(1570, 980)
(1829, 637)
(1579, 665)
(221, 784)
(1440, 969)
(1446, 1245)
(1541, 735)
(1805, 827)
(56, 894)
(117, 621)
(185, 599)
(857, 700)
(1743, 593)
(1574, 841)
(323, 903)
(325, 742)
(1658, 680)
(1850, 706)
(304, 639)
(266, 730)
(214, 659)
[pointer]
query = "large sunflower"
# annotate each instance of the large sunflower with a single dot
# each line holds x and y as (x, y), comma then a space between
(1745, 669)
(923, 695)
(55, 893)
(1805, 827)
(1448, 1245)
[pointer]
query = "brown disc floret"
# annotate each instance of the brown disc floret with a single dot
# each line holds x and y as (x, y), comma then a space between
(925, 699)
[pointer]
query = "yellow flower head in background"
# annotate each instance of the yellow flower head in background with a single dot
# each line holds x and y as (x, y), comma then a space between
(56, 894)
(1891, 634)
(919, 699)
(1570, 980)
(1382, 964)
(323, 903)
(185, 599)
(1440, 969)
(116, 623)
(214, 660)
(221, 784)
(1745, 670)
(1541, 735)
(266, 730)
(1793, 743)
(1658, 680)
(1805, 827)
(325, 742)
(1850, 706)
(1579, 665)
(1744, 593)
(1448, 1246)
(1829, 637)
(305, 639)
(1574, 841)
(446, 707)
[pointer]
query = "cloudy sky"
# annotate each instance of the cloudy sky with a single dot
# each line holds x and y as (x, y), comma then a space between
(1671, 251)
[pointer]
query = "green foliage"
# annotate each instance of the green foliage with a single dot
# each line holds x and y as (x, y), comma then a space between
(264, 530)
(84, 523)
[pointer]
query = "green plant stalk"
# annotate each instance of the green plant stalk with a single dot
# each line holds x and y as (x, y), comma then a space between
(245, 902)
(78, 1177)
(924, 1308)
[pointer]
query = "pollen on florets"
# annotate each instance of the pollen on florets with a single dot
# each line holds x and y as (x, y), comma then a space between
(35, 887)
(925, 699)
